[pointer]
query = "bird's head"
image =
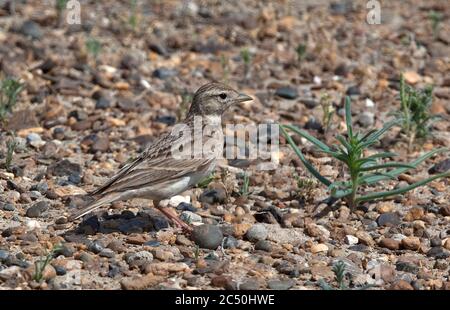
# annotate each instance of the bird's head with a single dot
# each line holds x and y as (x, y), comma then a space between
(214, 98)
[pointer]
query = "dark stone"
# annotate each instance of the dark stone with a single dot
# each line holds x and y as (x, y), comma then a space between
(8, 207)
(438, 253)
(3, 255)
(31, 29)
(230, 242)
(95, 247)
(60, 271)
(353, 91)
(66, 250)
(250, 284)
(107, 253)
(90, 226)
(102, 103)
(445, 211)
(263, 245)
(184, 206)
(406, 267)
(207, 236)
(440, 167)
(341, 7)
(37, 209)
(159, 223)
(166, 119)
(211, 196)
(309, 103)
(436, 242)
(287, 92)
(153, 243)
(388, 219)
(130, 62)
(114, 270)
(79, 115)
(312, 124)
(359, 248)
(158, 48)
(75, 179)
(341, 70)
(63, 168)
(164, 73)
(96, 143)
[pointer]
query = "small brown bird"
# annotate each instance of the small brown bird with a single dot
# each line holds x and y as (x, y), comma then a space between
(157, 174)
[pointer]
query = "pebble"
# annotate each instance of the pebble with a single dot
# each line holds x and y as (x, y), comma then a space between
(102, 103)
(287, 92)
(190, 217)
(440, 167)
(351, 240)
(366, 119)
(445, 211)
(184, 206)
(319, 248)
(207, 236)
(107, 253)
(37, 209)
(263, 245)
(64, 168)
(164, 73)
(389, 243)
(8, 207)
(411, 243)
(31, 29)
(280, 284)
(388, 219)
(402, 285)
(35, 140)
(230, 242)
(256, 233)
(139, 258)
(212, 196)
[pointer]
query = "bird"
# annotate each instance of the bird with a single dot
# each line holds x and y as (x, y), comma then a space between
(159, 173)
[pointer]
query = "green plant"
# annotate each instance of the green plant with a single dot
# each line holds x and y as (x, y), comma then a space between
(362, 170)
(133, 19)
(9, 90)
(244, 190)
(246, 58)
(339, 270)
(328, 111)
(205, 182)
(225, 64)
(11, 146)
(93, 47)
(436, 18)
(415, 111)
(40, 264)
(61, 5)
(301, 52)
(305, 187)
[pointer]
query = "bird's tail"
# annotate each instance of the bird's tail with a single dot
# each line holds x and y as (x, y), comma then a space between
(93, 205)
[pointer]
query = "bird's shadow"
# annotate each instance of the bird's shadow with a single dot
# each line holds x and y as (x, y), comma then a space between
(126, 223)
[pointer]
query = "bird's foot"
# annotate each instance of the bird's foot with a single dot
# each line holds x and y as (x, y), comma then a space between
(175, 219)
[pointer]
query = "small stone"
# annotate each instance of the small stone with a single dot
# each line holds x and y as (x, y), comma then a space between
(8, 207)
(385, 207)
(117, 246)
(440, 167)
(250, 284)
(353, 91)
(212, 196)
(256, 232)
(438, 252)
(221, 281)
(445, 211)
(95, 247)
(402, 285)
(447, 244)
(35, 140)
(287, 92)
(102, 103)
(280, 284)
(190, 217)
(139, 258)
(263, 245)
(64, 168)
(388, 219)
(389, 243)
(366, 119)
(415, 213)
(31, 29)
(319, 248)
(411, 243)
(185, 206)
(3, 255)
(207, 236)
(37, 209)
(230, 242)
(351, 240)
(107, 253)
(164, 73)
(412, 77)
(60, 270)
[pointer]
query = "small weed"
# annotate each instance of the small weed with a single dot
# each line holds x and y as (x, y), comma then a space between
(43, 262)
(205, 182)
(244, 190)
(301, 52)
(435, 18)
(11, 146)
(362, 170)
(93, 47)
(415, 112)
(339, 270)
(246, 58)
(133, 19)
(9, 91)
(306, 187)
(328, 111)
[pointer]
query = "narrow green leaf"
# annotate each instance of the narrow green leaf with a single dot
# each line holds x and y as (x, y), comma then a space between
(348, 116)
(310, 138)
(305, 162)
(373, 138)
(347, 145)
(366, 179)
(383, 155)
(387, 165)
(373, 196)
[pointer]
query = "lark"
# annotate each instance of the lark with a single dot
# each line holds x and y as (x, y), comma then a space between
(159, 173)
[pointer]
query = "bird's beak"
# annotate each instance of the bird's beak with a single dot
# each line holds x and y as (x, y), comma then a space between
(243, 97)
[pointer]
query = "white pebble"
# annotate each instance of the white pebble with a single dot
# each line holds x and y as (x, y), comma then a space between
(33, 224)
(369, 103)
(176, 200)
(351, 240)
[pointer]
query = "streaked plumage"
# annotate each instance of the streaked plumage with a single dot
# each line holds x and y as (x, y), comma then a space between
(156, 174)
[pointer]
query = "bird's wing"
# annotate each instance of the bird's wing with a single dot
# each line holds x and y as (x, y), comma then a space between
(154, 165)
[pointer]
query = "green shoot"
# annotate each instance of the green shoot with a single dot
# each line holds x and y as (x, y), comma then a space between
(40, 264)
(415, 112)
(61, 5)
(244, 190)
(93, 47)
(246, 58)
(133, 19)
(305, 187)
(436, 18)
(9, 91)
(339, 270)
(301, 52)
(205, 182)
(328, 111)
(362, 170)
(11, 146)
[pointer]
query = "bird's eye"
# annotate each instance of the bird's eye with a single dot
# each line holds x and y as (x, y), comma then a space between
(223, 96)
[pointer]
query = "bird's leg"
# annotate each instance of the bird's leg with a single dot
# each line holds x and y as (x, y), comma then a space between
(173, 217)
